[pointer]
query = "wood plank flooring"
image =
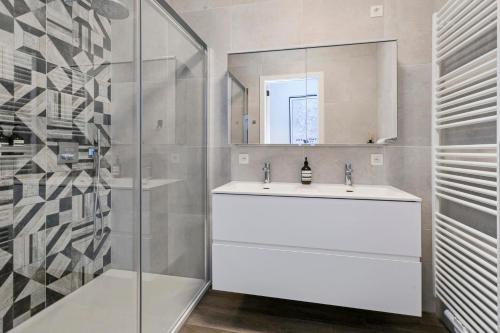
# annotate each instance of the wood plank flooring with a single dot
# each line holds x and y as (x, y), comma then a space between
(221, 312)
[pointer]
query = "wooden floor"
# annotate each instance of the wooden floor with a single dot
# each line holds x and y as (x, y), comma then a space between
(221, 312)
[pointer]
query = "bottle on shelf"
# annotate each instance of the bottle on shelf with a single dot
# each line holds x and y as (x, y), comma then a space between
(306, 173)
(4, 140)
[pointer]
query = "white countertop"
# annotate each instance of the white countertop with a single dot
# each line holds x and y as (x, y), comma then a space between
(337, 191)
(147, 184)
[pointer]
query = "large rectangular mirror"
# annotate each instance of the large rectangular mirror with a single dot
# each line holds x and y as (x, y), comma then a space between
(342, 94)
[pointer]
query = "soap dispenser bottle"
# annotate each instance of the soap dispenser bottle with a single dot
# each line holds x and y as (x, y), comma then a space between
(306, 173)
(4, 140)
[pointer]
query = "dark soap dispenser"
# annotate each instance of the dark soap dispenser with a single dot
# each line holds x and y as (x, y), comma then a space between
(306, 173)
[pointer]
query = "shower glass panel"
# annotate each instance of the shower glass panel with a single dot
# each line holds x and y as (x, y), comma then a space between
(69, 166)
(173, 237)
(102, 156)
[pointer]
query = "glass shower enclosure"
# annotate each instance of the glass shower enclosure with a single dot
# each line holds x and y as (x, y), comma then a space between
(103, 166)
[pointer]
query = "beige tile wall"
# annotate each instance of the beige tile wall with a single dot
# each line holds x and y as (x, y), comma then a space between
(238, 25)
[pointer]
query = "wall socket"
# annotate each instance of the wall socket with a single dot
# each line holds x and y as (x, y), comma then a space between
(377, 11)
(377, 159)
(243, 159)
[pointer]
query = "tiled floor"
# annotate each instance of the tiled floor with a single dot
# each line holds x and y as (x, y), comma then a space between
(221, 312)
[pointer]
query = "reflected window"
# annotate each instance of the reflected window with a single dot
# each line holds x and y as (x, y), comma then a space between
(291, 109)
(304, 119)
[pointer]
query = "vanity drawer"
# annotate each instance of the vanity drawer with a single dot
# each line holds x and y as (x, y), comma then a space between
(358, 282)
(366, 226)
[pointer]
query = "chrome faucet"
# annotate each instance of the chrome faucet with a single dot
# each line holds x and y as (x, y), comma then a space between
(267, 172)
(348, 174)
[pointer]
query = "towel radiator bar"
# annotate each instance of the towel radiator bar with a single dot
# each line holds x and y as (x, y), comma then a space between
(465, 151)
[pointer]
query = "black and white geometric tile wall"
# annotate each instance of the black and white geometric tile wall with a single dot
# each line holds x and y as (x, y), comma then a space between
(55, 85)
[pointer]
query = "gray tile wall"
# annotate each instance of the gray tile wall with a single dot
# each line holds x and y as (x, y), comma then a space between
(238, 25)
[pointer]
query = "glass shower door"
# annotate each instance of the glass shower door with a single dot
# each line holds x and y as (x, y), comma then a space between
(173, 231)
(69, 217)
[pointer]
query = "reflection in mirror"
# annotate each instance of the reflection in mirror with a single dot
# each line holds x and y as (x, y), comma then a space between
(343, 94)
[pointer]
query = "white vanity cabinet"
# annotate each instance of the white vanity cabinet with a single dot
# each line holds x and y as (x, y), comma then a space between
(319, 244)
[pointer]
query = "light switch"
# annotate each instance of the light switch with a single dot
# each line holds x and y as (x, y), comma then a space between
(377, 11)
(377, 159)
(243, 158)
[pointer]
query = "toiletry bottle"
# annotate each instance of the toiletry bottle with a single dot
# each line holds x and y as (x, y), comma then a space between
(16, 140)
(4, 140)
(306, 173)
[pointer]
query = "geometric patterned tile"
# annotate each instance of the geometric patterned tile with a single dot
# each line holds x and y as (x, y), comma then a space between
(6, 53)
(30, 70)
(59, 116)
(6, 258)
(58, 240)
(29, 219)
(29, 189)
(59, 212)
(82, 54)
(59, 78)
(82, 253)
(59, 185)
(82, 207)
(82, 183)
(6, 209)
(34, 161)
(29, 249)
(7, 104)
(55, 85)
(29, 291)
(59, 263)
(59, 288)
(29, 27)
(6, 29)
(31, 13)
(6, 301)
(60, 35)
(30, 103)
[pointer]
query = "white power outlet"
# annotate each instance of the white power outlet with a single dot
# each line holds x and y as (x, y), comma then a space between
(377, 159)
(377, 11)
(243, 159)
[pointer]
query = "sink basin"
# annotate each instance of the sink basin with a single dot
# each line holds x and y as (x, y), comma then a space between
(360, 192)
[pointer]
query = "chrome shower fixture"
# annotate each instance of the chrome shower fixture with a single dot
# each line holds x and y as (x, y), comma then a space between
(94, 153)
(112, 9)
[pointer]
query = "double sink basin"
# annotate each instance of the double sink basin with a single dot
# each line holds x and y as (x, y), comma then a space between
(361, 192)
